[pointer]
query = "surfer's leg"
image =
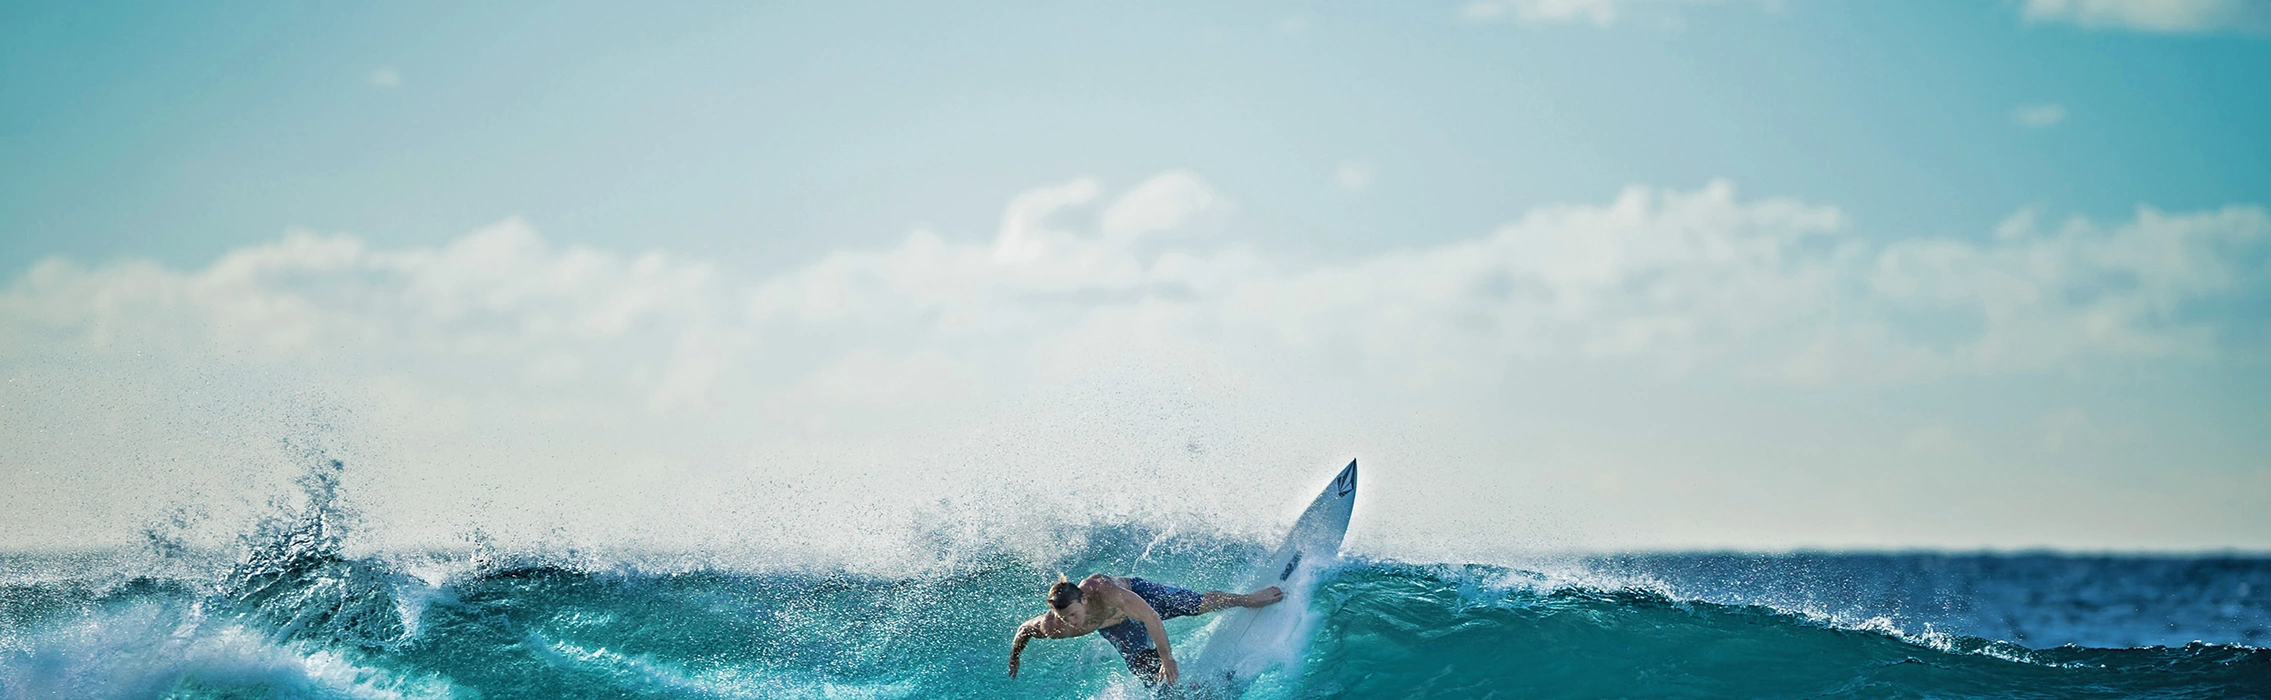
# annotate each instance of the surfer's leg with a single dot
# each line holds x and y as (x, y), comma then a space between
(1170, 602)
(1145, 665)
(1134, 643)
(1217, 600)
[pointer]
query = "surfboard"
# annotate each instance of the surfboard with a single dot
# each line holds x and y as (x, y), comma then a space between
(1246, 642)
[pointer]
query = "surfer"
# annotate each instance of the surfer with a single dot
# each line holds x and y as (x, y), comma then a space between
(1127, 611)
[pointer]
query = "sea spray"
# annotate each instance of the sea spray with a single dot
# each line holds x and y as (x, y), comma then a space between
(294, 582)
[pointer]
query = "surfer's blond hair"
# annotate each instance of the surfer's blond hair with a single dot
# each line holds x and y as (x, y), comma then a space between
(1063, 592)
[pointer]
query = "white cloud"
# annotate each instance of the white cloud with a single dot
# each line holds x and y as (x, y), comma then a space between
(577, 363)
(499, 294)
(2085, 290)
(1167, 202)
(1353, 177)
(1670, 279)
(2161, 16)
(1025, 233)
(1599, 13)
(388, 78)
(1675, 280)
(2038, 116)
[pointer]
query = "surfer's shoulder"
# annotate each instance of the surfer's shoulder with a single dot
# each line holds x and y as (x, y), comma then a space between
(1096, 583)
(1041, 626)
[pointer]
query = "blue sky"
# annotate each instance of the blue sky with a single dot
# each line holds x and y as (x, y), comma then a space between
(775, 132)
(1946, 274)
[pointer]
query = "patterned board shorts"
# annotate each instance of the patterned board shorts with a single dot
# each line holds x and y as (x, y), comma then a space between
(1133, 641)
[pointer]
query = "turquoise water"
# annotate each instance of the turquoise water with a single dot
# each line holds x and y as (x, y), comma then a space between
(291, 616)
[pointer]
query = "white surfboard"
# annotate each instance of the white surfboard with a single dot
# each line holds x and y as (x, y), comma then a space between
(1249, 641)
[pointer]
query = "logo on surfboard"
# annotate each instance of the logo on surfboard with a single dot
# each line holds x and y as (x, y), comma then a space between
(1345, 484)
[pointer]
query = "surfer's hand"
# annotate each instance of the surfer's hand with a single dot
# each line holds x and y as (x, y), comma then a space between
(1167, 674)
(1269, 596)
(1013, 667)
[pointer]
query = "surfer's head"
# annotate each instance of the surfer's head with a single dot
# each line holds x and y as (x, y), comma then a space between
(1065, 597)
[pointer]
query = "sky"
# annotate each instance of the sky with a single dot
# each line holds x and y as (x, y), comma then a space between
(1565, 275)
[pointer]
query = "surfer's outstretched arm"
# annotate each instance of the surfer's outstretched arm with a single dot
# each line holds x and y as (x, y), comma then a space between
(1025, 634)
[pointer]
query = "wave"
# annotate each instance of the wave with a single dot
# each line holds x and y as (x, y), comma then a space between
(295, 617)
(1445, 631)
(1385, 629)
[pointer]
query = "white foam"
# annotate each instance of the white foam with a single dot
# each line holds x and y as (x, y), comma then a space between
(146, 650)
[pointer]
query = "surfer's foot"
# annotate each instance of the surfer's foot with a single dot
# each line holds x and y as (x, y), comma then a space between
(1256, 599)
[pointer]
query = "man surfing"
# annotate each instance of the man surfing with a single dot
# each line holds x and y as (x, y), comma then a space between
(1128, 612)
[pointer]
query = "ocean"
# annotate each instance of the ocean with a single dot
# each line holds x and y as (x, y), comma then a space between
(295, 611)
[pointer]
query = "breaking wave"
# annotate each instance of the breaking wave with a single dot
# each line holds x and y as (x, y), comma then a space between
(291, 615)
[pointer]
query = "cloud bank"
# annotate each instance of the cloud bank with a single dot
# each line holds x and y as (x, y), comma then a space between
(1677, 280)
(609, 371)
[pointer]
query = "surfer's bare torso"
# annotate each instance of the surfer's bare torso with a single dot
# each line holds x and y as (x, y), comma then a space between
(1106, 608)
